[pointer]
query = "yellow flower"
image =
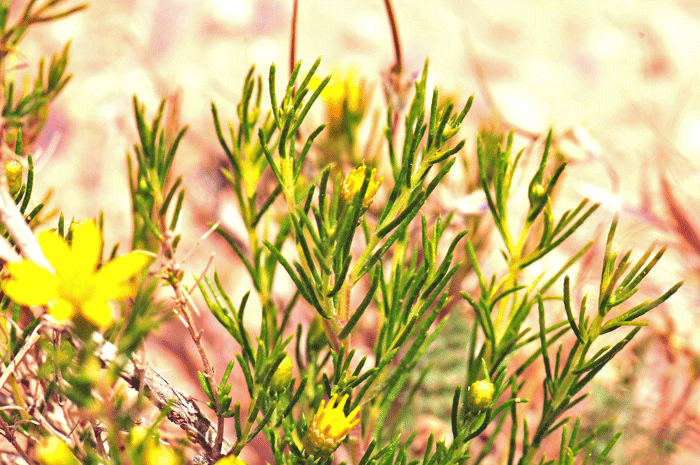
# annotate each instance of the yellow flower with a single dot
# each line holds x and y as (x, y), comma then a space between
(230, 460)
(353, 183)
(345, 100)
(52, 451)
(480, 394)
(343, 89)
(75, 288)
(330, 426)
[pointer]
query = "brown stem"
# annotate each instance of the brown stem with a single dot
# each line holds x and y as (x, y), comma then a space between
(182, 298)
(185, 307)
(182, 409)
(20, 355)
(398, 66)
(293, 39)
(99, 444)
(9, 434)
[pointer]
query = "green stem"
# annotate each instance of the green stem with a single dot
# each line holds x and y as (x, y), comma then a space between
(562, 391)
(515, 252)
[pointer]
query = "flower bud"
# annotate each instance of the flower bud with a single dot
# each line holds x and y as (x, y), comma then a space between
(137, 435)
(480, 394)
(353, 183)
(53, 451)
(160, 454)
(13, 172)
(283, 375)
(537, 193)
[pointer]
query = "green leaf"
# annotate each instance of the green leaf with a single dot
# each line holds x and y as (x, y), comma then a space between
(206, 385)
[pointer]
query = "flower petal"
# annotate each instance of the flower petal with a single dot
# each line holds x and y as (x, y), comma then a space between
(30, 284)
(56, 250)
(62, 310)
(121, 269)
(113, 291)
(97, 312)
(86, 245)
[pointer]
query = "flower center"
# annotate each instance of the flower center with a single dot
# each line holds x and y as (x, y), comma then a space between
(75, 286)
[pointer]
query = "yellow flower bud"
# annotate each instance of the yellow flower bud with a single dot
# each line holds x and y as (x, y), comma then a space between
(146, 449)
(160, 454)
(137, 435)
(13, 172)
(329, 427)
(53, 451)
(480, 394)
(353, 183)
(283, 375)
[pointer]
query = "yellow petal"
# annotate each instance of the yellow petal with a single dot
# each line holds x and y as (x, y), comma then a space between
(121, 269)
(62, 310)
(56, 250)
(30, 284)
(114, 291)
(86, 245)
(97, 312)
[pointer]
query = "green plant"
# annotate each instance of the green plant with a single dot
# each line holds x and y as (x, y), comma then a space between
(355, 238)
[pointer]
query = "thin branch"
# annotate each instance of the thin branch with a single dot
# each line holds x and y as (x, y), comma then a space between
(398, 66)
(184, 308)
(9, 434)
(182, 409)
(293, 39)
(20, 355)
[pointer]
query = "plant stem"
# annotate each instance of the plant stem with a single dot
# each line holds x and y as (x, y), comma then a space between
(398, 66)
(293, 39)
(562, 391)
(515, 252)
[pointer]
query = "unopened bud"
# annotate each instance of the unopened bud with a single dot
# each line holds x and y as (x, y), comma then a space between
(53, 451)
(480, 394)
(13, 172)
(283, 375)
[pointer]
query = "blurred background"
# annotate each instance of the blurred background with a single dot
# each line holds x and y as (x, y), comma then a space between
(617, 82)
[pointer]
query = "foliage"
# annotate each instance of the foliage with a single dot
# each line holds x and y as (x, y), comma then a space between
(341, 240)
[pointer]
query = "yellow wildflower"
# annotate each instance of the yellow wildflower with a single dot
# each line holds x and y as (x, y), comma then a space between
(344, 91)
(52, 451)
(480, 394)
(230, 460)
(329, 426)
(75, 288)
(353, 183)
(345, 100)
